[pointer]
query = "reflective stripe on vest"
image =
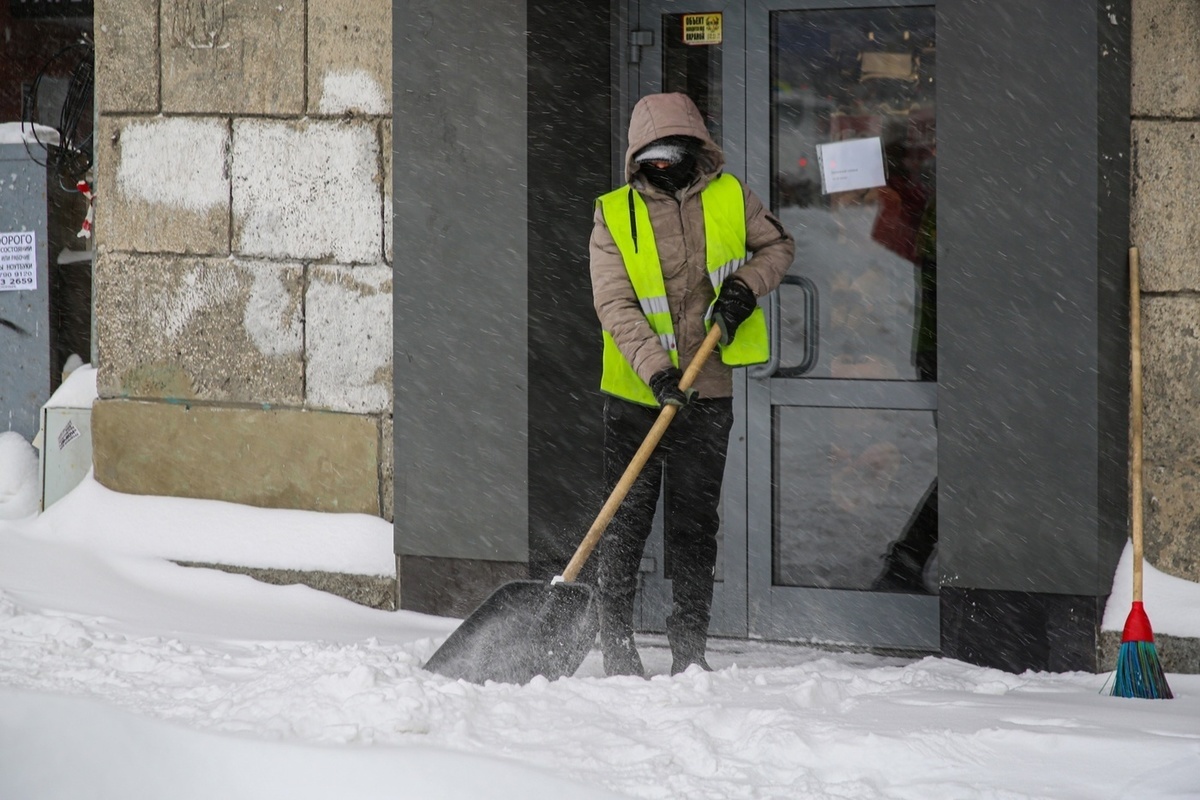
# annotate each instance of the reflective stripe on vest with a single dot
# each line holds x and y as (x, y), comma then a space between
(628, 221)
(725, 251)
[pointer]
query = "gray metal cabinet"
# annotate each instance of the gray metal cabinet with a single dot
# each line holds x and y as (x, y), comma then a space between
(24, 312)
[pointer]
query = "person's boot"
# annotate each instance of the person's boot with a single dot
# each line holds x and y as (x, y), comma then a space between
(688, 642)
(621, 655)
(616, 639)
(681, 663)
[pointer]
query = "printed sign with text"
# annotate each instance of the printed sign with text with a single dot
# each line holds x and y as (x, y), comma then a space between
(18, 261)
(702, 28)
(851, 164)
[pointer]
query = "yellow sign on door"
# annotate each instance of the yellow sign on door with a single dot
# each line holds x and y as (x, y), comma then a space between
(702, 28)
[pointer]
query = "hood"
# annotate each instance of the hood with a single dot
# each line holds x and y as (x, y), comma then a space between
(659, 115)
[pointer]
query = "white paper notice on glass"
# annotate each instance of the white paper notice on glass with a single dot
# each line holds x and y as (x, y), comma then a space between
(18, 261)
(851, 164)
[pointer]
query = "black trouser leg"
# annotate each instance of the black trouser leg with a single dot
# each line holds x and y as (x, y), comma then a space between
(695, 468)
(693, 453)
(619, 553)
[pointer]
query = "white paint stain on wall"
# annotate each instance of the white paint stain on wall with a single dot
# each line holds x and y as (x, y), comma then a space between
(307, 191)
(352, 91)
(178, 162)
(173, 310)
(272, 315)
(349, 321)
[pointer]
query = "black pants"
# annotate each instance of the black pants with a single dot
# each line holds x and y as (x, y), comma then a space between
(688, 466)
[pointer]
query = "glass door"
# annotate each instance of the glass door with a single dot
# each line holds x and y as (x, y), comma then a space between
(842, 423)
(829, 514)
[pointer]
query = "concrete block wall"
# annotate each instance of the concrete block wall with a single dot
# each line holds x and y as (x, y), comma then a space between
(243, 276)
(1165, 226)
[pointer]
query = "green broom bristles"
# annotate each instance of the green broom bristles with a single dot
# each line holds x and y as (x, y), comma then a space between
(1139, 673)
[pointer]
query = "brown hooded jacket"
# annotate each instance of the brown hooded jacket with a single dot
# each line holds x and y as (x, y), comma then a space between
(678, 223)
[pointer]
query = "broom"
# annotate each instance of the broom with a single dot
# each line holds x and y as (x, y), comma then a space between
(1139, 673)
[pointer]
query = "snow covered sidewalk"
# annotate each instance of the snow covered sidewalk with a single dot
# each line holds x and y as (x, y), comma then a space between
(125, 676)
(175, 680)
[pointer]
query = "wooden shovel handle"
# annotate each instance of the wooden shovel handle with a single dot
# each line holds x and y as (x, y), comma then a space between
(639, 460)
(1135, 417)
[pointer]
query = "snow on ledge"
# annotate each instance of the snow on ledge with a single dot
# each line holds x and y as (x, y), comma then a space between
(18, 132)
(77, 391)
(217, 532)
(1172, 604)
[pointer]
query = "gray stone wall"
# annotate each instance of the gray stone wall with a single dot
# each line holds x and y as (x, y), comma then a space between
(1165, 226)
(243, 274)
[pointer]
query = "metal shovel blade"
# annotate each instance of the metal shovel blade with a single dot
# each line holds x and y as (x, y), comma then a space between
(524, 629)
(528, 628)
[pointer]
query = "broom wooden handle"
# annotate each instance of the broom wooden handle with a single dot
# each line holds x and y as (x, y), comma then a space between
(639, 460)
(1135, 426)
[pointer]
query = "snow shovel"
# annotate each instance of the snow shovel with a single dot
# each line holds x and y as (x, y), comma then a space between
(530, 628)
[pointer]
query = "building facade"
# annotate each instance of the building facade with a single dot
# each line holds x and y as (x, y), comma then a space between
(257, 342)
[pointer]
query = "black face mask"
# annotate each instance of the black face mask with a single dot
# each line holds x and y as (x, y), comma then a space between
(673, 178)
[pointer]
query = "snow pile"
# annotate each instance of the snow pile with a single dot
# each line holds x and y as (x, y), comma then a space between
(18, 477)
(211, 531)
(182, 529)
(78, 389)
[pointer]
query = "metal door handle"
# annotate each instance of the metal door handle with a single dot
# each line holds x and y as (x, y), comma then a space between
(775, 336)
(760, 371)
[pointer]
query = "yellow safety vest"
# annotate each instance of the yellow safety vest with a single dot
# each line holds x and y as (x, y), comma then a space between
(628, 221)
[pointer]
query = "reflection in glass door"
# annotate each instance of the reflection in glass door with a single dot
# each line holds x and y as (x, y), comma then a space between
(842, 478)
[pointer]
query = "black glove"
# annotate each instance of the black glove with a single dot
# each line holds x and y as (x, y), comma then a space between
(734, 305)
(665, 385)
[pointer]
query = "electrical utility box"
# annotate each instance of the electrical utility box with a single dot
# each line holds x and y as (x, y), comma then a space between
(65, 441)
(25, 371)
(45, 277)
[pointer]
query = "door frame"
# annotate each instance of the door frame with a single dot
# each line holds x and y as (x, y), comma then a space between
(746, 603)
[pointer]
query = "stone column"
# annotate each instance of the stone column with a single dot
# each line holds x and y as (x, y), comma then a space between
(244, 251)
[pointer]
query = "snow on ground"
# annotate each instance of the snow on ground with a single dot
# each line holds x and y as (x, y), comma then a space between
(123, 675)
(18, 477)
